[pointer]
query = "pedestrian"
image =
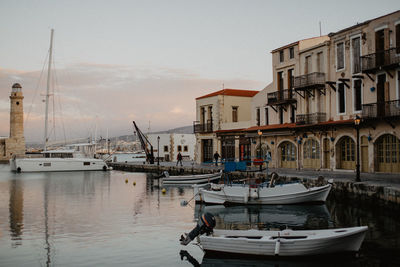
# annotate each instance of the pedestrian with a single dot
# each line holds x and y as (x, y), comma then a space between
(216, 156)
(179, 159)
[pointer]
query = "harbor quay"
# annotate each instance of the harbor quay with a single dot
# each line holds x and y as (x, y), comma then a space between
(384, 188)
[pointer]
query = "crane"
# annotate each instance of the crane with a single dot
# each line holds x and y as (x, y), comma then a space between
(145, 143)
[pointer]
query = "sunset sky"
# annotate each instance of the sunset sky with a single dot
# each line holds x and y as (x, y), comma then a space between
(118, 61)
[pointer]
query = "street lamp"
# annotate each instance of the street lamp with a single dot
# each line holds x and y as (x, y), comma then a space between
(357, 122)
(158, 151)
(260, 134)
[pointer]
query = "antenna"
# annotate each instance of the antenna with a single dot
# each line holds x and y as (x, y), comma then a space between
(320, 31)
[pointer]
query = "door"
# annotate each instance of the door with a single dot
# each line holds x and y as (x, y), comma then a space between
(327, 160)
(311, 154)
(380, 95)
(244, 150)
(347, 153)
(288, 155)
(207, 147)
(364, 154)
(388, 148)
(379, 47)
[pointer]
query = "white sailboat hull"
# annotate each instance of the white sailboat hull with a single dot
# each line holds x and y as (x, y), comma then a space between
(191, 179)
(57, 164)
(280, 194)
(285, 243)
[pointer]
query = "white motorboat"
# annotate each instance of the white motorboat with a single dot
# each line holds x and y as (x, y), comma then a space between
(190, 179)
(59, 160)
(78, 157)
(286, 242)
(290, 193)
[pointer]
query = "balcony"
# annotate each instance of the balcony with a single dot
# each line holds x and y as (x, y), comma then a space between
(384, 59)
(312, 118)
(281, 97)
(203, 127)
(380, 110)
(309, 81)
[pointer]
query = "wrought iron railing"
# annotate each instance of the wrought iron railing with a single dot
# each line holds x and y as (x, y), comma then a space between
(203, 127)
(315, 79)
(311, 118)
(281, 96)
(379, 110)
(385, 58)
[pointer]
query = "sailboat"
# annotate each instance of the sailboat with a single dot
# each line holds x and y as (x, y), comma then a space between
(71, 159)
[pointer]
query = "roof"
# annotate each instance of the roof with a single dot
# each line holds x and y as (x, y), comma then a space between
(360, 24)
(231, 92)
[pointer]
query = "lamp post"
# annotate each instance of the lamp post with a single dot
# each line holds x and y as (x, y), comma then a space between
(357, 122)
(158, 151)
(260, 134)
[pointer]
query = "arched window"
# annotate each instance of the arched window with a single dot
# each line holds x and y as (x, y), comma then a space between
(311, 154)
(347, 153)
(288, 155)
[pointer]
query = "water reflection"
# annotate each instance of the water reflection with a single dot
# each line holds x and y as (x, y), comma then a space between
(16, 211)
(220, 260)
(268, 216)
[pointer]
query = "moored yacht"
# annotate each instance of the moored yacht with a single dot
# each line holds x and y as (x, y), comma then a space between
(77, 157)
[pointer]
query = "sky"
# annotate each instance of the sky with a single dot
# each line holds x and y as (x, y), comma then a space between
(119, 61)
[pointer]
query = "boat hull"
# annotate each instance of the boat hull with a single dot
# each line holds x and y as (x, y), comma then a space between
(57, 164)
(280, 194)
(190, 180)
(291, 243)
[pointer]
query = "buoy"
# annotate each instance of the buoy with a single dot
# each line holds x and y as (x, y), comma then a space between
(134, 183)
(126, 181)
(183, 202)
(163, 190)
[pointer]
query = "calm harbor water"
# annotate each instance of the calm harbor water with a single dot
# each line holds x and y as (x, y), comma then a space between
(97, 219)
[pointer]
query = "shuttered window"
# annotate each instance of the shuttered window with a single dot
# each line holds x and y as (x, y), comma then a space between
(340, 56)
(341, 98)
(357, 95)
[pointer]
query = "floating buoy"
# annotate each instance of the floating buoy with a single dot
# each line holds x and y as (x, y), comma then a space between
(126, 181)
(183, 203)
(163, 190)
(134, 183)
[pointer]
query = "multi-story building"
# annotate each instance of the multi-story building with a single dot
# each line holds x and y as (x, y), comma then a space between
(328, 89)
(334, 103)
(220, 119)
(170, 144)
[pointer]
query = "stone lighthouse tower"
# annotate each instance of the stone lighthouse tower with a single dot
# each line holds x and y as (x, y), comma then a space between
(16, 142)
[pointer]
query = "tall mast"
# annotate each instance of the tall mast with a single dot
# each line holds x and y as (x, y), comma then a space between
(48, 91)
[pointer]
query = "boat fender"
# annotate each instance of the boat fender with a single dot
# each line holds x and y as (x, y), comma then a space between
(104, 168)
(19, 169)
(330, 181)
(205, 225)
(166, 174)
(277, 245)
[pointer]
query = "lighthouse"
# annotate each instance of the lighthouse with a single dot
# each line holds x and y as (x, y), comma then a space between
(15, 144)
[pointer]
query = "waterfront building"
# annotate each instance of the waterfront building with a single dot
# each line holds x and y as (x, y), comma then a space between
(221, 117)
(331, 97)
(170, 144)
(14, 145)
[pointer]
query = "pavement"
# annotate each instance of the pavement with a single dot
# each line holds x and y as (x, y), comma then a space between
(383, 179)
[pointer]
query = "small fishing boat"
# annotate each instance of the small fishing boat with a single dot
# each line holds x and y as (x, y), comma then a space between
(286, 242)
(190, 179)
(290, 193)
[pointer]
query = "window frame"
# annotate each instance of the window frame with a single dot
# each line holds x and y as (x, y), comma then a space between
(235, 113)
(354, 95)
(344, 56)
(291, 52)
(281, 55)
(351, 54)
(337, 99)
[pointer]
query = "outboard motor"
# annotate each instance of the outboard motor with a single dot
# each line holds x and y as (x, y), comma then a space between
(204, 225)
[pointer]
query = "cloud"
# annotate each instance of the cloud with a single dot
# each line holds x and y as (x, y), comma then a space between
(108, 97)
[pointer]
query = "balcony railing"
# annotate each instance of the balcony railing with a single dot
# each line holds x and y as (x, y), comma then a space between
(281, 97)
(379, 110)
(203, 127)
(312, 80)
(387, 58)
(311, 118)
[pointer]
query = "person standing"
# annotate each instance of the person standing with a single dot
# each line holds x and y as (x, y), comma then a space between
(179, 159)
(216, 156)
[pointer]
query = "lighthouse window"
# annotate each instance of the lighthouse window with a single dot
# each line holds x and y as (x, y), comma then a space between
(17, 103)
